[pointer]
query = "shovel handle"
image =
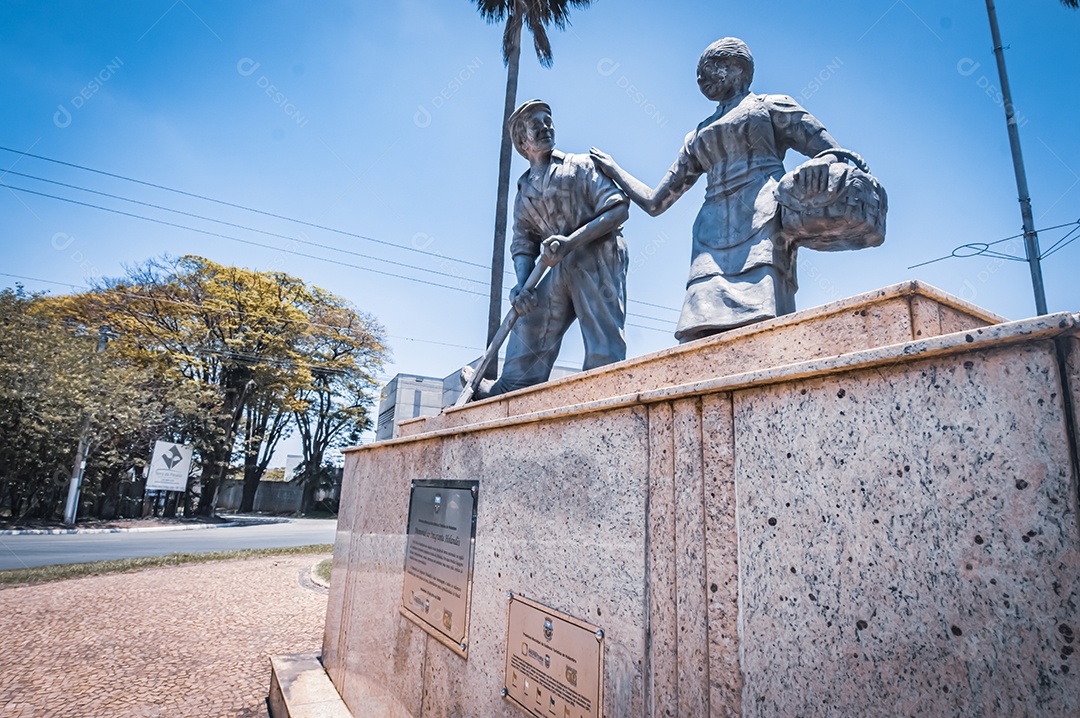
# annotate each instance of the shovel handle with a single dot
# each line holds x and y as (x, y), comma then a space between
(500, 336)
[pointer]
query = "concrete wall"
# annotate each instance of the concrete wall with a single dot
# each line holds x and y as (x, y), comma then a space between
(888, 530)
(272, 497)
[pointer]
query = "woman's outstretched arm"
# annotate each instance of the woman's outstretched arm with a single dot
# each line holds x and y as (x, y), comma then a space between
(654, 201)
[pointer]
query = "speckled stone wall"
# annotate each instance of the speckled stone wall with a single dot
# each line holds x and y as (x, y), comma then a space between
(900, 313)
(561, 519)
(908, 541)
(890, 531)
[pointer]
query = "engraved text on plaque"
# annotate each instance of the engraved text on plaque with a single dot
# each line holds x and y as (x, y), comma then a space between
(438, 561)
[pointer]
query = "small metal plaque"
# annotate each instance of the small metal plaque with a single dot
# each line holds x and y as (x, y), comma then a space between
(554, 662)
(437, 588)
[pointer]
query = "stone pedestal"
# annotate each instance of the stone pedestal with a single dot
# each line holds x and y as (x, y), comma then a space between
(866, 508)
(300, 688)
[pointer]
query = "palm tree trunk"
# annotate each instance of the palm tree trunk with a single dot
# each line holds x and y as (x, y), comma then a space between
(502, 203)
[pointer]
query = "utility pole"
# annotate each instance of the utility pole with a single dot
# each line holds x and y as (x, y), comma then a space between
(1031, 239)
(71, 508)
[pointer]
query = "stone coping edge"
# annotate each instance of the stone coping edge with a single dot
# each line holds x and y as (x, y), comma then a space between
(301, 688)
(145, 529)
(1050, 325)
(909, 288)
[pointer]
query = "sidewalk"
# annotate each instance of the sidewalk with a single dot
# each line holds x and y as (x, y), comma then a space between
(185, 641)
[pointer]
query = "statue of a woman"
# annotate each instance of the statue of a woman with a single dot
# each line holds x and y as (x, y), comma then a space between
(742, 269)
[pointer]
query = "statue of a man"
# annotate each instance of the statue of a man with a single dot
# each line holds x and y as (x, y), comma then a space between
(569, 215)
(742, 269)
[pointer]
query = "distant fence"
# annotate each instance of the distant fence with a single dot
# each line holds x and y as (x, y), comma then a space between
(273, 497)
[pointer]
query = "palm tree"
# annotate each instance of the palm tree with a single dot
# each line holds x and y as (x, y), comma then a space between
(537, 15)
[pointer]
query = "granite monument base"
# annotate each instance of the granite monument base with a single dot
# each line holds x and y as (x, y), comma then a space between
(300, 688)
(866, 508)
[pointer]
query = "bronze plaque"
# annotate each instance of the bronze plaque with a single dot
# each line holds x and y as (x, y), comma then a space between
(554, 662)
(437, 586)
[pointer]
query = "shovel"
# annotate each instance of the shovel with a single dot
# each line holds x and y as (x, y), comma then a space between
(501, 335)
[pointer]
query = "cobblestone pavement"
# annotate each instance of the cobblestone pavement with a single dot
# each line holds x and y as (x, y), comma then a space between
(183, 642)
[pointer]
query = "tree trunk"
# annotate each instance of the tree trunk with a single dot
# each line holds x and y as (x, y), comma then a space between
(172, 498)
(312, 473)
(16, 500)
(213, 475)
(212, 470)
(252, 475)
(506, 150)
(311, 485)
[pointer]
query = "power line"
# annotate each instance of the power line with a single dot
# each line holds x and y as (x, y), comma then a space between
(222, 310)
(200, 307)
(210, 351)
(242, 241)
(656, 306)
(240, 206)
(1062, 243)
(268, 214)
(287, 251)
(190, 305)
(250, 229)
(975, 249)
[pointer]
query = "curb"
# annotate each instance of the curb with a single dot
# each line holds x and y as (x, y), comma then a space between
(147, 529)
(315, 578)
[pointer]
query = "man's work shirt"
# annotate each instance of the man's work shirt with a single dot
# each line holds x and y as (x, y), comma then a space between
(572, 193)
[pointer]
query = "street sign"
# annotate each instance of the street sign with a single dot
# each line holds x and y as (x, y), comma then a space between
(169, 467)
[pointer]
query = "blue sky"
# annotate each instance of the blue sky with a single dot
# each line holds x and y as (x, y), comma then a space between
(382, 119)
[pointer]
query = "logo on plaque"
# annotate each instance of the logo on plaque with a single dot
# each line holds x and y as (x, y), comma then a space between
(572, 684)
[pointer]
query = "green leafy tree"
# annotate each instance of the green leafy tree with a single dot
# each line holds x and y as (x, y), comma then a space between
(345, 350)
(44, 383)
(257, 349)
(206, 328)
(57, 386)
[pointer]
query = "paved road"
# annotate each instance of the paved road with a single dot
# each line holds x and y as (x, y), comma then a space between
(30, 550)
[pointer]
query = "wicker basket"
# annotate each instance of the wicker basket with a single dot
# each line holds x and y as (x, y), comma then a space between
(849, 214)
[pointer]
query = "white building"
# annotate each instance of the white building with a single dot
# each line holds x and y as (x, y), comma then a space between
(408, 396)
